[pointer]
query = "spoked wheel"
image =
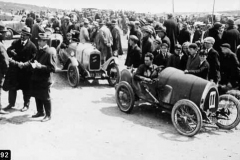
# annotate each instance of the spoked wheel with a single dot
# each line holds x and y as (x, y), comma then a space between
(114, 75)
(228, 113)
(125, 97)
(186, 117)
(73, 75)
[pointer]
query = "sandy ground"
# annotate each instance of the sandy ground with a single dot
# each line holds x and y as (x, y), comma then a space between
(87, 125)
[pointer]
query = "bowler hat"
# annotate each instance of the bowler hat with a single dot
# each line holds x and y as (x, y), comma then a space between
(230, 22)
(2, 27)
(134, 38)
(226, 45)
(26, 31)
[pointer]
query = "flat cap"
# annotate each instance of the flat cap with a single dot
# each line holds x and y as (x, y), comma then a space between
(193, 45)
(230, 22)
(217, 25)
(178, 46)
(209, 40)
(134, 38)
(226, 45)
(164, 44)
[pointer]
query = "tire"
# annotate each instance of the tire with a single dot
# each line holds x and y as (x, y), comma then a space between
(73, 75)
(227, 112)
(183, 113)
(124, 94)
(113, 76)
(9, 34)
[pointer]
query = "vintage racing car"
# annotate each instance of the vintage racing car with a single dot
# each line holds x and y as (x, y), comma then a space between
(192, 101)
(83, 61)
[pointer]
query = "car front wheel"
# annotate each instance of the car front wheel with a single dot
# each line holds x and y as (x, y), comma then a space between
(113, 74)
(73, 75)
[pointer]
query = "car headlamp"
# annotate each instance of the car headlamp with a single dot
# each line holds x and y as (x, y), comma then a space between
(72, 54)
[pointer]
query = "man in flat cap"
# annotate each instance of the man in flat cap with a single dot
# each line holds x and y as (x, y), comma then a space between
(231, 36)
(117, 44)
(230, 70)
(21, 50)
(216, 33)
(4, 63)
(161, 33)
(213, 60)
(134, 56)
(147, 42)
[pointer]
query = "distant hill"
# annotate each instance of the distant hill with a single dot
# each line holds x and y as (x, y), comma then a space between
(9, 6)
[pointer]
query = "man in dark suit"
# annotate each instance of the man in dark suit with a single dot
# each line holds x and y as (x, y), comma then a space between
(193, 58)
(185, 35)
(29, 21)
(202, 69)
(231, 36)
(172, 31)
(230, 69)
(161, 33)
(4, 63)
(213, 60)
(21, 50)
(43, 65)
(134, 56)
(147, 42)
(162, 55)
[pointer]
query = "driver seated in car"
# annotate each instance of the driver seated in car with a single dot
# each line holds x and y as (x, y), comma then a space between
(147, 71)
(67, 41)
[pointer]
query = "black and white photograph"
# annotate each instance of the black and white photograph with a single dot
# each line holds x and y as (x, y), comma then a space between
(119, 80)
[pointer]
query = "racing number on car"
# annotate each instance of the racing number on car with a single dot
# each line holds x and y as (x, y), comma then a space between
(212, 99)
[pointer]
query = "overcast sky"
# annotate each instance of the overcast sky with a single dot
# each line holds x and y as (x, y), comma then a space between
(153, 6)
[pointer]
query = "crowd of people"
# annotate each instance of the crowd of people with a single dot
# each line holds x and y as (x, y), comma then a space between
(212, 54)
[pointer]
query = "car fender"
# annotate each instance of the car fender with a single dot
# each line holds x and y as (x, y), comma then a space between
(109, 62)
(74, 61)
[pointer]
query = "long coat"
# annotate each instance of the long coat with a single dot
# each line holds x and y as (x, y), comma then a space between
(184, 36)
(232, 37)
(16, 77)
(117, 44)
(134, 57)
(214, 63)
(193, 62)
(218, 41)
(147, 46)
(172, 32)
(41, 79)
(4, 63)
(105, 42)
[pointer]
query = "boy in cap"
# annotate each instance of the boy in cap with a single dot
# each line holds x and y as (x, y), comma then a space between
(178, 59)
(134, 55)
(162, 56)
(21, 50)
(4, 63)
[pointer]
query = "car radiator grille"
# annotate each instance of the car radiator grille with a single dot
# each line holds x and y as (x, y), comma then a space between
(94, 62)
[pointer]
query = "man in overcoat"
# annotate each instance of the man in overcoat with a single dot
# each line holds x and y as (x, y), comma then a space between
(231, 36)
(185, 35)
(117, 44)
(4, 63)
(147, 42)
(21, 50)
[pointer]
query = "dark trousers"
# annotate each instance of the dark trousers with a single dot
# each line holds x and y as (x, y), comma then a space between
(0, 98)
(46, 104)
(12, 95)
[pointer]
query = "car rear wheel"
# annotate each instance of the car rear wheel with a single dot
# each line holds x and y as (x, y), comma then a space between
(73, 75)
(228, 113)
(113, 74)
(125, 97)
(186, 117)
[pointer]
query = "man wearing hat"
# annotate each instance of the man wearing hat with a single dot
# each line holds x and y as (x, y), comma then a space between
(36, 29)
(84, 34)
(64, 26)
(117, 44)
(161, 55)
(230, 70)
(134, 56)
(161, 33)
(216, 33)
(43, 65)
(231, 36)
(213, 60)
(177, 59)
(147, 42)
(105, 41)
(4, 63)
(172, 31)
(21, 50)
(185, 35)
